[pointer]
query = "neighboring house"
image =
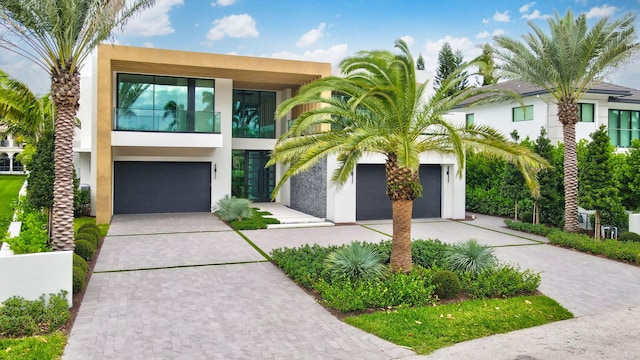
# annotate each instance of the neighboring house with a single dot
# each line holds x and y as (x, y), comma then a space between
(9, 150)
(616, 107)
(174, 131)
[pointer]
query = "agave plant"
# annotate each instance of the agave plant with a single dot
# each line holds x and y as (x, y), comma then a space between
(231, 208)
(470, 256)
(356, 261)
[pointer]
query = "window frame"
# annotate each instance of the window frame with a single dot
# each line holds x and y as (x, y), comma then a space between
(469, 119)
(524, 113)
(581, 111)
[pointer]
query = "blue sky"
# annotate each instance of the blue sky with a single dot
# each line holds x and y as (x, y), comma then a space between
(331, 30)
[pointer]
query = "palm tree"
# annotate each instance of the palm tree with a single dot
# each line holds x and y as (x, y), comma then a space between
(566, 63)
(58, 35)
(379, 108)
(24, 114)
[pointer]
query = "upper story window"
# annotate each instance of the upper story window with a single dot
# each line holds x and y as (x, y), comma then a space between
(165, 104)
(254, 114)
(587, 112)
(624, 127)
(470, 119)
(522, 113)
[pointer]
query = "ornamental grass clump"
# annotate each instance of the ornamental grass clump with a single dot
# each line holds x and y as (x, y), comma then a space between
(356, 262)
(470, 256)
(231, 208)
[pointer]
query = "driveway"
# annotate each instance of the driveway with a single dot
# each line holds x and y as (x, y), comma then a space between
(185, 286)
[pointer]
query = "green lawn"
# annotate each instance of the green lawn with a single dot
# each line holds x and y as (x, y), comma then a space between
(77, 222)
(9, 188)
(427, 329)
(34, 347)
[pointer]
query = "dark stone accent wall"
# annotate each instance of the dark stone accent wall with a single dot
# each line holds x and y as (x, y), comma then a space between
(309, 191)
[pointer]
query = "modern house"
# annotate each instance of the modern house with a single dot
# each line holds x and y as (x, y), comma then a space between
(9, 150)
(174, 131)
(616, 107)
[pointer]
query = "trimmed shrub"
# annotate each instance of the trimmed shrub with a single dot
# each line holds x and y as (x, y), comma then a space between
(231, 208)
(503, 281)
(629, 236)
(90, 230)
(356, 261)
(613, 249)
(80, 262)
(79, 276)
(85, 249)
(447, 284)
(429, 253)
(20, 317)
(305, 264)
(90, 237)
(537, 229)
(33, 235)
(88, 226)
(470, 256)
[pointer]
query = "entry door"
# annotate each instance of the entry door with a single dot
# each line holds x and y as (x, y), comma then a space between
(259, 180)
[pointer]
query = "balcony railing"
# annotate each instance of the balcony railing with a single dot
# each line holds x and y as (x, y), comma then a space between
(178, 121)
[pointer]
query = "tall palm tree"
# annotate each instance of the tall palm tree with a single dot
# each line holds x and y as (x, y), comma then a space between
(24, 114)
(567, 62)
(58, 35)
(379, 108)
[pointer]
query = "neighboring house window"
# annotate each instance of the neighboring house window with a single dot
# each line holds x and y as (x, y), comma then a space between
(470, 119)
(587, 112)
(624, 127)
(5, 163)
(253, 114)
(165, 104)
(522, 114)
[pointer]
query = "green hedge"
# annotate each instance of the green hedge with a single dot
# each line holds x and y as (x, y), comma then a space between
(613, 249)
(537, 229)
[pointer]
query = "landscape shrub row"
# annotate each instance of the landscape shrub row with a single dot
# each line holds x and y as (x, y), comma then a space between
(537, 229)
(20, 317)
(87, 239)
(619, 250)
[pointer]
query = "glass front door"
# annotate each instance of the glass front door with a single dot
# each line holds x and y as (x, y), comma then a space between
(258, 180)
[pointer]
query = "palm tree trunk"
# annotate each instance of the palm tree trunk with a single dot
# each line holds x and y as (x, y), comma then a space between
(401, 241)
(65, 91)
(569, 115)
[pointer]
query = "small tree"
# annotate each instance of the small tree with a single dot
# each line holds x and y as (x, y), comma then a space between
(513, 187)
(420, 63)
(448, 64)
(631, 178)
(597, 188)
(486, 66)
(40, 181)
(549, 207)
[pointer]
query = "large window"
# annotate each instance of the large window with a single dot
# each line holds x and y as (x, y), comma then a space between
(5, 162)
(587, 112)
(624, 127)
(165, 104)
(254, 114)
(470, 119)
(522, 114)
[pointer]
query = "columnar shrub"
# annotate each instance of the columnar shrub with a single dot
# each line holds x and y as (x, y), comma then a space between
(80, 262)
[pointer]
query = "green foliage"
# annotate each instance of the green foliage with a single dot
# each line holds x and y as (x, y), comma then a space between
(33, 234)
(89, 234)
(470, 256)
(40, 181)
(85, 249)
(20, 317)
(35, 347)
(630, 178)
(90, 221)
(502, 281)
(86, 226)
(231, 208)
(448, 64)
(551, 201)
(396, 289)
(629, 236)
(613, 249)
(79, 276)
(537, 229)
(355, 262)
(81, 201)
(259, 220)
(426, 329)
(429, 253)
(447, 284)
(78, 261)
(305, 265)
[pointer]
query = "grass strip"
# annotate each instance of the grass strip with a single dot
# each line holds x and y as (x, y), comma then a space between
(33, 347)
(180, 266)
(427, 329)
(376, 230)
(266, 256)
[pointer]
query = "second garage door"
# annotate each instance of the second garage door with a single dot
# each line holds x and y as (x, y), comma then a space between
(161, 187)
(372, 202)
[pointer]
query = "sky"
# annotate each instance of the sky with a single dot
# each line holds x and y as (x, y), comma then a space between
(330, 30)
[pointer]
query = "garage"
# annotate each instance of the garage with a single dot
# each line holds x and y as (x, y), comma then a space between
(161, 187)
(372, 202)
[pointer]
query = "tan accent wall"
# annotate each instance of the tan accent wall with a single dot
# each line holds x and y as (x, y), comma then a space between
(245, 72)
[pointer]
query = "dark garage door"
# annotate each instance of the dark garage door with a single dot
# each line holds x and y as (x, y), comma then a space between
(372, 202)
(161, 187)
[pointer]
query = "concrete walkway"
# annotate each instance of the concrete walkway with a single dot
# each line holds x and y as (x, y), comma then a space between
(185, 286)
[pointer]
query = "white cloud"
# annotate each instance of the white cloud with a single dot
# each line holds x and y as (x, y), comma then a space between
(525, 8)
(535, 15)
(601, 11)
(501, 16)
(312, 36)
(153, 21)
(485, 21)
(236, 26)
(498, 32)
(333, 55)
(482, 35)
(408, 39)
(223, 2)
(432, 48)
